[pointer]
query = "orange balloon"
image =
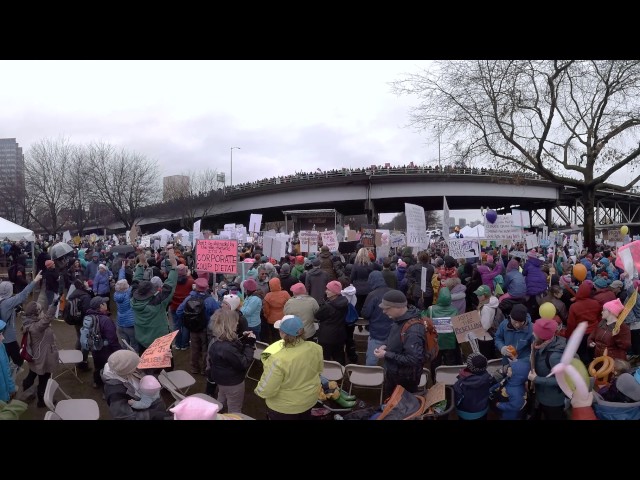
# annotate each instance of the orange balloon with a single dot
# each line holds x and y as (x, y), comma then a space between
(580, 272)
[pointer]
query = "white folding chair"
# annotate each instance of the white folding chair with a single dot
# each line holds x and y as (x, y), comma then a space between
(70, 408)
(424, 380)
(494, 365)
(181, 380)
(164, 380)
(333, 371)
(69, 359)
(257, 353)
(49, 415)
(363, 376)
(448, 374)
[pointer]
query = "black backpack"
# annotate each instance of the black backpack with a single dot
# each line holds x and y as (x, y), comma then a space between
(71, 313)
(90, 334)
(194, 316)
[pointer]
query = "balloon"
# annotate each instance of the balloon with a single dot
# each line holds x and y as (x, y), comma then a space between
(582, 370)
(580, 272)
(491, 216)
(624, 230)
(567, 370)
(547, 310)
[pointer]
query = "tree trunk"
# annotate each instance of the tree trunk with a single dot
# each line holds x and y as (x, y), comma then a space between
(589, 201)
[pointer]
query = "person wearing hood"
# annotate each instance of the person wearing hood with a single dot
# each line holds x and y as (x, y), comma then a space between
(472, 389)
(536, 282)
(83, 294)
(326, 262)
(379, 325)
(298, 268)
(332, 334)
(304, 307)
(91, 269)
(121, 384)
(458, 294)
(286, 279)
(515, 287)
(449, 353)
(101, 286)
(404, 352)
(548, 349)
(511, 393)
(584, 309)
(273, 306)
(8, 388)
(488, 271)
(184, 287)
(603, 293)
(515, 331)
(588, 265)
(99, 308)
(316, 280)
(490, 316)
(42, 341)
(8, 304)
(149, 306)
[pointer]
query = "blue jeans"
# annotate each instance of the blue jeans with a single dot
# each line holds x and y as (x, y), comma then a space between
(182, 338)
(128, 334)
(372, 344)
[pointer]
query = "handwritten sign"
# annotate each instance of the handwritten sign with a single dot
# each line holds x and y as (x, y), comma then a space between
(502, 229)
(435, 395)
(614, 236)
(330, 240)
(445, 217)
(464, 247)
(397, 240)
(465, 323)
(217, 256)
(442, 324)
(531, 240)
(308, 241)
(254, 222)
(157, 355)
(416, 226)
(368, 237)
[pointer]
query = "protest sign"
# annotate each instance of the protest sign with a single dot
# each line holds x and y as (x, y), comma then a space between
(157, 355)
(217, 256)
(465, 323)
(330, 240)
(464, 247)
(368, 237)
(416, 226)
(255, 220)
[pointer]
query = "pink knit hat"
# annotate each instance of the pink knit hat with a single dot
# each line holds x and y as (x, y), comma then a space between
(402, 264)
(532, 254)
(298, 288)
(614, 306)
(195, 408)
(545, 328)
(334, 287)
(149, 385)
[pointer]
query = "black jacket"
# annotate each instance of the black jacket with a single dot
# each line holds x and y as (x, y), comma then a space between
(228, 362)
(331, 320)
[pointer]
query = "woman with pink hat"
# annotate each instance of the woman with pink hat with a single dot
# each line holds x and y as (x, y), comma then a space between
(332, 334)
(602, 338)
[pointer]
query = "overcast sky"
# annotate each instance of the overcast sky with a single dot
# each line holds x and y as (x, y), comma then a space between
(285, 116)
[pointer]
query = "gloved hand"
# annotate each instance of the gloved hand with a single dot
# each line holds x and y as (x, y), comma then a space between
(504, 351)
(248, 339)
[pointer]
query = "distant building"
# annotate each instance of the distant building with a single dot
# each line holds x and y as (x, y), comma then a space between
(174, 186)
(12, 186)
(462, 222)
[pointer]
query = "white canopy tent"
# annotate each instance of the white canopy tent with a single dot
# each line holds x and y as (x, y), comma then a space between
(182, 232)
(162, 232)
(15, 233)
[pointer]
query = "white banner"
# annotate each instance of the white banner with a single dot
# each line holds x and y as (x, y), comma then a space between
(230, 227)
(423, 279)
(308, 241)
(145, 241)
(66, 236)
(397, 240)
(416, 226)
(196, 229)
(502, 229)
(255, 220)
(464, 247)
(520, 218)
(330, 240)
(531, 240)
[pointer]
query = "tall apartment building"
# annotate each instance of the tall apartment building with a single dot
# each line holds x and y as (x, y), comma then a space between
(12, 179)
(173, 186)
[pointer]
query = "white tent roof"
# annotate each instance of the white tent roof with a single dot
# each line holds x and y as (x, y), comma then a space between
(162, 232)
(14, 232)
(477, 231)
(182, 232)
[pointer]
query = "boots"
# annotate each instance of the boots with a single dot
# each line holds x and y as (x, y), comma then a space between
(343, 402)
(346, 396)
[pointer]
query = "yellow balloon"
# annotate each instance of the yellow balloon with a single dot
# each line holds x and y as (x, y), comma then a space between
(547, 310)
(624, 230)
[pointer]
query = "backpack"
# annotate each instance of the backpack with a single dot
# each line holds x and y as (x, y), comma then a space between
(352, 314)
(71, 313)
(497, 320)
(402, 405)
(430, 335)
(148, 273)
(194, 318)
(90, 335)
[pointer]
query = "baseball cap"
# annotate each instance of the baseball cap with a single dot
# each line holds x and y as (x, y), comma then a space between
(482, 290)
(290, 324)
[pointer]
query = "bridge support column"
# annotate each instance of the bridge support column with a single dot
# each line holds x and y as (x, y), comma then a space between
(548, 216)
(372, 214)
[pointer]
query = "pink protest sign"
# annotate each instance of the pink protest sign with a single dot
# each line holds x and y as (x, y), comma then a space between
(217, 256)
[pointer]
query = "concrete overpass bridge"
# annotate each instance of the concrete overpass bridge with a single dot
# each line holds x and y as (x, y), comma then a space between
(385, 190)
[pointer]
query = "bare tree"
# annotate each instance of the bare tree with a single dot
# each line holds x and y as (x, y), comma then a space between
(125, 182)
(194, 196)
(572, 122)
(46, 167)
(78, 193)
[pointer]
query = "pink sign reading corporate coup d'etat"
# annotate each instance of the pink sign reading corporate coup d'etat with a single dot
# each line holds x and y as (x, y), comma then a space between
(217, 256)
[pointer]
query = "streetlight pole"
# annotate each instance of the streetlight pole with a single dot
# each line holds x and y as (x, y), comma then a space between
(231, 173)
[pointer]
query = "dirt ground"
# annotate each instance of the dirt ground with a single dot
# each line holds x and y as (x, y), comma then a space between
(254, 406)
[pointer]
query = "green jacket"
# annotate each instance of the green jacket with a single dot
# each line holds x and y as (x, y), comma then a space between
(150, 314)
(291, 378)
(12, 410)
(443, 308)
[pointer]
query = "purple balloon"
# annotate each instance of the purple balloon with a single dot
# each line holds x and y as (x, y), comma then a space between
(491, 216)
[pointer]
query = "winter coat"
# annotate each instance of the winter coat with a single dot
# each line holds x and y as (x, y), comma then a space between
(51, 280)
(316, 283)
(109, 335)
(400, 275)
(616, 346)
(305, 308)
(488, 275)
(414, 275)
(117, 393)
(459, 298)
(274, 301)
(359, 278)
(251, 308)
(472, 394)
(390, 278)
(101, 284)
(604, 295)
(229, 361)
(443, 309)
(43, 342)
(91, 270)
(331, 320)
(548, 392)
(210, 307)
(514, 283)
(512, 394)
(584, 309)
(535, 278)
(291, 378)
(379, 322)
(520, 339)
(287, 281)
(150, 314)
(405, 357)
(184, 287)
(7, 385)
(8, 312)
(326, 264)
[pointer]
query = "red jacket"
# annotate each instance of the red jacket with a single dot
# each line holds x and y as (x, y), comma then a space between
(585, 309)
(616, 346)
(183, 289)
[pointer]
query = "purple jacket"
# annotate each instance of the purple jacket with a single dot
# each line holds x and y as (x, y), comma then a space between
(488, 275)
(534, 277)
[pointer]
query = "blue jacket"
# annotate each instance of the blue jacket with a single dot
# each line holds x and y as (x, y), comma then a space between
(520, 339)
(8, 312)
(514, 284)
(472, 394)
(7, 386)
(515, 390)
(101, 284)
(123, 302)
(379, 323)
(251, 310)
(535, 278)
(210, 305)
